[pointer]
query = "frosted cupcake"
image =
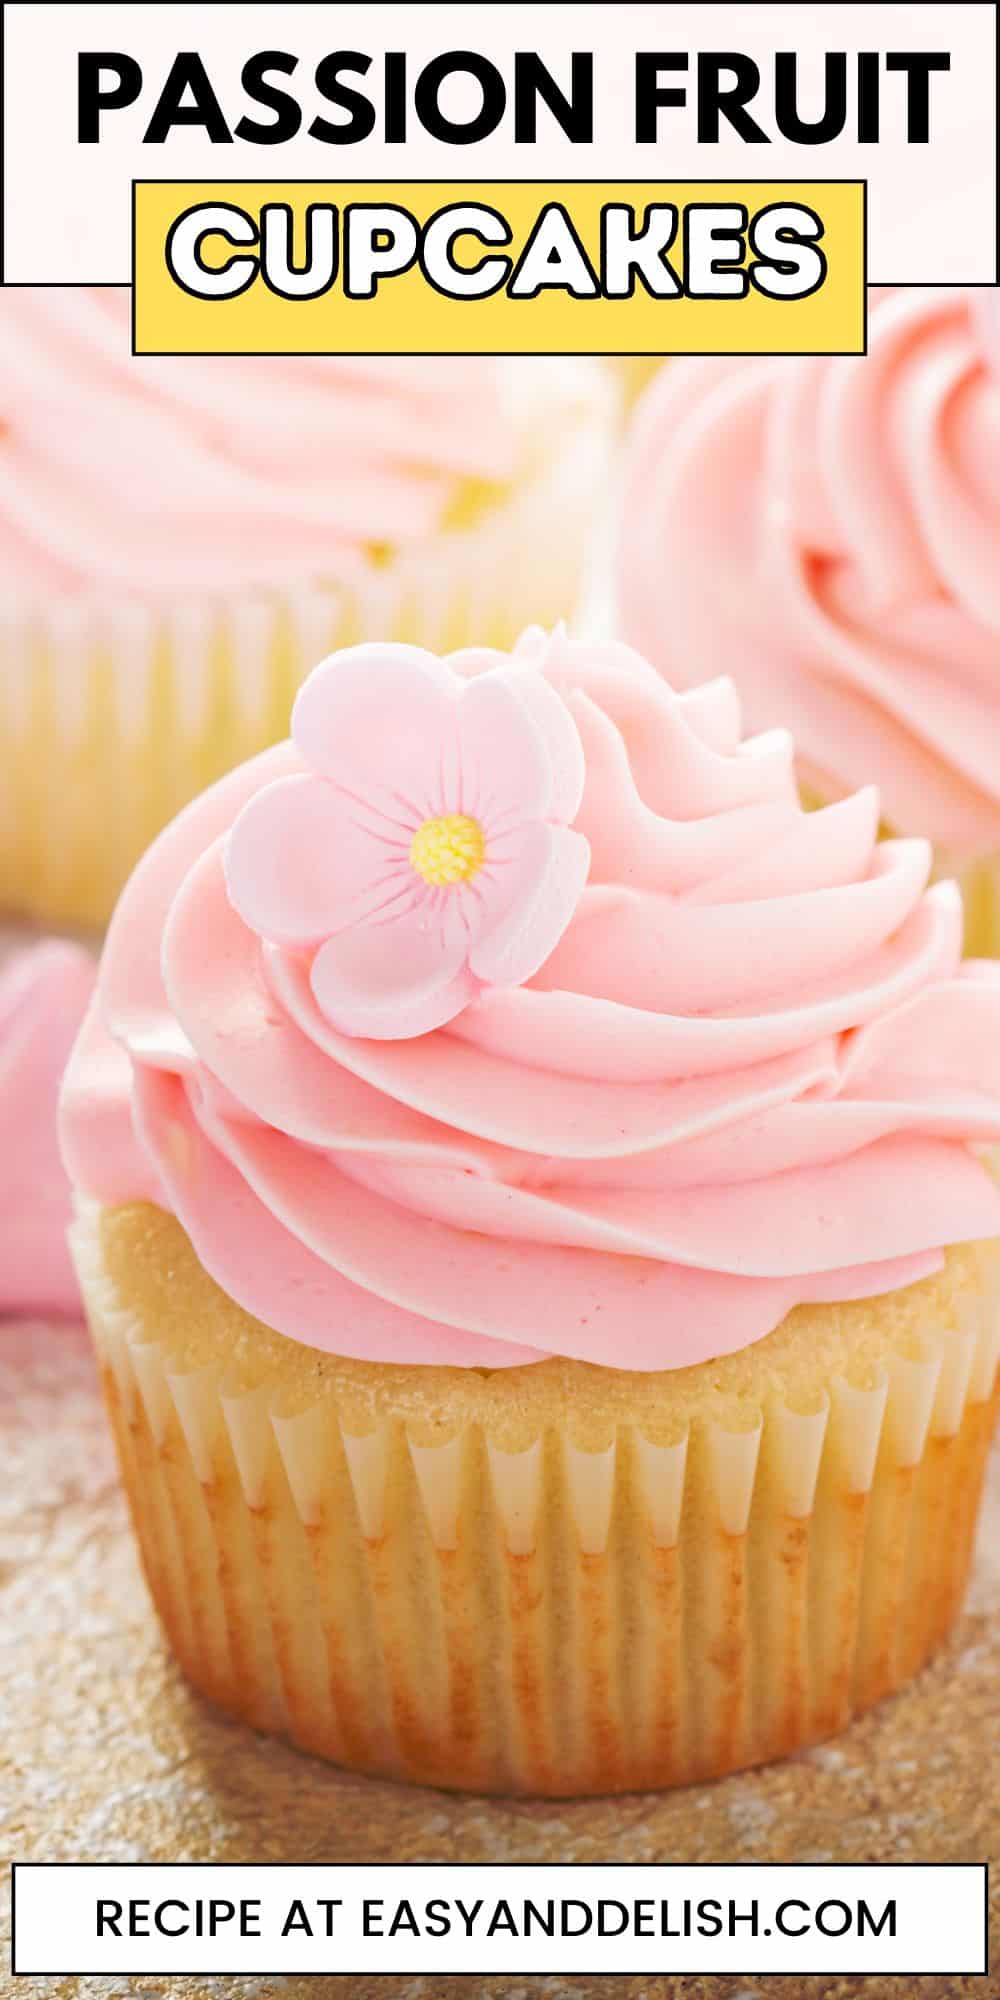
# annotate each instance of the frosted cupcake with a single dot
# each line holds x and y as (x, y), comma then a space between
(534, 1231)
(44, 993)
(828, 531)
(181, 539)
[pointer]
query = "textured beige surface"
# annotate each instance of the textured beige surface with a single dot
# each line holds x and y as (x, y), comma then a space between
(105, 1755)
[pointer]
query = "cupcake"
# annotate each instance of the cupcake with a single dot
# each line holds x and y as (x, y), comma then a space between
(180, 539)
(45, 990)
(535, 1228)
(828, 531)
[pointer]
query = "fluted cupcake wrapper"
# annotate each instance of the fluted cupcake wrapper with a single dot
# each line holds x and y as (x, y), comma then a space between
(113, 715)
(554, 1619)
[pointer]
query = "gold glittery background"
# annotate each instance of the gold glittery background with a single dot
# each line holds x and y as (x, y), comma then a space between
(105, 1754)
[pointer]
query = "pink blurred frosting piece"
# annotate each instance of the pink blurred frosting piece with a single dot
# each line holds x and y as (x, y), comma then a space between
(750, 1071)
(827, 530)
(247, 474)
(45, 990)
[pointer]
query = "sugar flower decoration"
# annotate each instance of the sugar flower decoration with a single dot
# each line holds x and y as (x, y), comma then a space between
(427, 852)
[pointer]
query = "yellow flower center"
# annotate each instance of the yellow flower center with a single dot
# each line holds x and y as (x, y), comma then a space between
(449, 849)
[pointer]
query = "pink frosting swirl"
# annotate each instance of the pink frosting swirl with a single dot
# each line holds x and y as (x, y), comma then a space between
(44, 993)
(828, 530)
(159, 476)
(750, 1073)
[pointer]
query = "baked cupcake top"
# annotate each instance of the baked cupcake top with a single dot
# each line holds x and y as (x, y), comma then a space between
(158, 476)
(514, 1007)
(828, 530)
(44, 993)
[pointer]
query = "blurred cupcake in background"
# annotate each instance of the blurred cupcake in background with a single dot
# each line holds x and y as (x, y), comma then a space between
(181, 538)
(45, 990)
(828, 531)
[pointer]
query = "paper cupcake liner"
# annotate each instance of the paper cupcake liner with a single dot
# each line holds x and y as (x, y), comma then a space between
(112, 716)
(515, 1610)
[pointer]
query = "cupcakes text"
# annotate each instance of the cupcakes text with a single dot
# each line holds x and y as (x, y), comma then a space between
(474, 250)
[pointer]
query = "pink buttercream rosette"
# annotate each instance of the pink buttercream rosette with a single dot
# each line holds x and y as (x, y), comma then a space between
(427, 852)
(516, 1008)
(829, 527)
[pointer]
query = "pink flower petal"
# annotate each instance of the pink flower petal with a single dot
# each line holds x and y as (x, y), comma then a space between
(521, 755)
(392, 979)
(377, 720)
(395, 736)
(301, 863)
(529, 893)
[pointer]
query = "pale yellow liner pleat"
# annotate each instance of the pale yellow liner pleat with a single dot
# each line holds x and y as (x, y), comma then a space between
(113, 715)
(552, 1620)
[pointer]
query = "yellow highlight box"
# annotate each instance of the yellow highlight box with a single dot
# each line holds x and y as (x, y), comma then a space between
(439, 267)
